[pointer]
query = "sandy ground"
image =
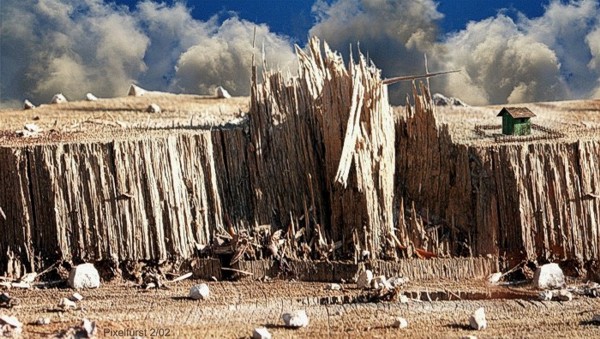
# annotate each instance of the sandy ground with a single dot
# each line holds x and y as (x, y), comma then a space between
(120, 309)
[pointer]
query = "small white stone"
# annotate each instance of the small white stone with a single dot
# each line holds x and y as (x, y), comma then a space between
(494, 278)
(545, 295)
(42, 321)
(200, 291)
(564, 295)
(153, 108)
(136, 91)
(29, 277)
(261, 333)
(90, 97)
(365, 254)
(549, 276)
(400, 323)
(58, 99)
(222, 93)
(477, 320)
(28, 105)
(84, 276)
(76, 297)
(11, 321)
(403, 299)
(397, 281)
(33, 128)
(66, 303)
(334, 287)
(364, 279)
(380, 282)
(295, 319)
(89, 327)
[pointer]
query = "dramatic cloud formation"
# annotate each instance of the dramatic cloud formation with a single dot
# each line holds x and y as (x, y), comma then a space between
(74, 47)
(394, 34)
(79, 46)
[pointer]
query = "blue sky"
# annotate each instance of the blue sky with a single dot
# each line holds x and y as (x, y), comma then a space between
(294, 18)
(508, 51)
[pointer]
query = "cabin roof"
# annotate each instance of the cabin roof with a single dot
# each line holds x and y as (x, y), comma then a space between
(516, 112)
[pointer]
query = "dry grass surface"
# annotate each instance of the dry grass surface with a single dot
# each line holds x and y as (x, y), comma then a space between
(119, 118)
(578, 120)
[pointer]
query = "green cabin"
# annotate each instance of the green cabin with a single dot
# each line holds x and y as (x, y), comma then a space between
(516, 120)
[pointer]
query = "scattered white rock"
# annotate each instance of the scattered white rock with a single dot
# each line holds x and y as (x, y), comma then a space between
(66, 303)
(545, 295)
(136, 91)
(58, 99)
(549, 276)
(403, 299)
(477, 320)
(89, 327)
(222, 93)
(441, 100)
(84, 276)
(295, 319)
(397, 281)
(364, 279)
(153, 108)
(28, 105)
(380, 282)
(76, 297)
(90, 97)
(564, 295)
(261, 333)
(400, 323)
(11, 321)
(28, 277)
(494, 278)
(43, 321)
(200, 291)
(334, 287)
(29, 130)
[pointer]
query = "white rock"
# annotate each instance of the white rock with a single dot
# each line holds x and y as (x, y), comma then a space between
(295, 319)
(365, 254)
(58, 99)
(477, 320)
(153, 108)
(200, 291)
(222, 93)
(76, 297)
(84, 276)
(11, 321)
(28, 105)
(90, 97)
(494, 278)
(33, 128)
(364, 279)
(89, 327)
(403, 299)
(400, 323)
(29, 277)
(66, 303)
(397, 281)
(42, 321)
(549, 276)
(564, 295)
(261, 333)
(545, 295)
(334, 287)
(380, 282)
(136, 91)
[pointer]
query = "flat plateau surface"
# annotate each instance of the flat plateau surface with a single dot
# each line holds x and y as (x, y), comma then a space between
(124, 117)
(577, 120)
(234, 309)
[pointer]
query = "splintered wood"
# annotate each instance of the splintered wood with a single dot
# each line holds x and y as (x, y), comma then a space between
(331, 128)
